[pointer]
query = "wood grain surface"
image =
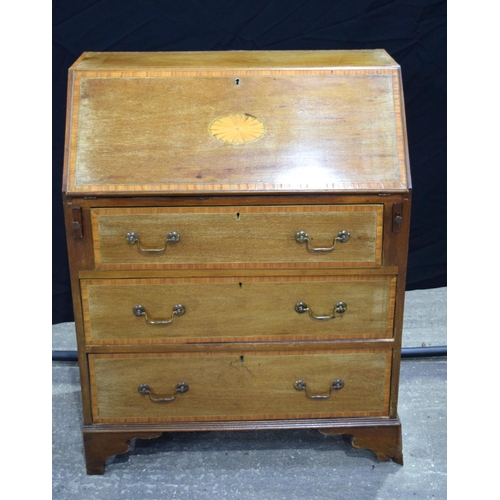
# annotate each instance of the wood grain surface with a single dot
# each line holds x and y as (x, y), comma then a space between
(240, 59)
(232, 387)
(237, 236)
(236, 309)
(333, 123)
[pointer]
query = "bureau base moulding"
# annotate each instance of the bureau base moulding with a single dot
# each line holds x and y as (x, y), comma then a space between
(383, 437)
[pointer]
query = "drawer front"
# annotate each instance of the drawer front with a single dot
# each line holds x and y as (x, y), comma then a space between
(235, 309)
(144, 388)
(237, 236)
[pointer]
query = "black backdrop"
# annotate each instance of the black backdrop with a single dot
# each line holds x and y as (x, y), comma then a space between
(413, 32)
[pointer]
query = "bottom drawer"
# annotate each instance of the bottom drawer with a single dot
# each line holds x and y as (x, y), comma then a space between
(249, 386)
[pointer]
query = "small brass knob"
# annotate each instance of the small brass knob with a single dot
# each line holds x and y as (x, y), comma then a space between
(340, 308)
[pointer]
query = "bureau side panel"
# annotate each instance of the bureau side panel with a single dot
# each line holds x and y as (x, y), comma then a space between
(80, 257)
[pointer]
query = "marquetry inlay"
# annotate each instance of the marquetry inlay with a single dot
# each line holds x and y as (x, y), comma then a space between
(237, 129)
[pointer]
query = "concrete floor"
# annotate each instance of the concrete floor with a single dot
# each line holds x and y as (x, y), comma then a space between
(269, 465)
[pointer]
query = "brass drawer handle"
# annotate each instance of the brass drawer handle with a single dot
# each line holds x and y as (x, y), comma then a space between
(180, 388)
(303, 237)
(133, 239)
(339, 309)
(337, 384)
(178, 310)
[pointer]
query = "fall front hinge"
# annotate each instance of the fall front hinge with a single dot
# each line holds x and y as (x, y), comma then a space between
(76, 222)
(397, 217)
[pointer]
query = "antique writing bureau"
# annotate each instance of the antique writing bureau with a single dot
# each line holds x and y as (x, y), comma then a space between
(238, 229)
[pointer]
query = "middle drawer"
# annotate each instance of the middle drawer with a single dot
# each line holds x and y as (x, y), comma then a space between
(169, 310)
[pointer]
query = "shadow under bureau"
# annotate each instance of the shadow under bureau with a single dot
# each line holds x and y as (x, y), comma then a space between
(237, 227)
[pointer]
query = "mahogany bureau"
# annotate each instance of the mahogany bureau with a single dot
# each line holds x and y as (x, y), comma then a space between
(237, 226)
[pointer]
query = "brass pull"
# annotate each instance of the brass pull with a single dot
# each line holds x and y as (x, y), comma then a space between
(303, 237)
(339, 309)
(178, 310)
(133, 239)
(337, 384)
(180, 388)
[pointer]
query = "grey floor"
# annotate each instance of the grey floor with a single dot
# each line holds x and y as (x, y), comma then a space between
(268, 465)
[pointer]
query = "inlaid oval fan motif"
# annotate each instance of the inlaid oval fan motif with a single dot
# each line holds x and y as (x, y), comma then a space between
(237, 129)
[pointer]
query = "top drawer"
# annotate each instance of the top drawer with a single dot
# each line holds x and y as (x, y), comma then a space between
(228, 237)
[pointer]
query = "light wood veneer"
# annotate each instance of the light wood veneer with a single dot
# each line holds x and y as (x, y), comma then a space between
(243, 387)
(256, 236)
(263, 308)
